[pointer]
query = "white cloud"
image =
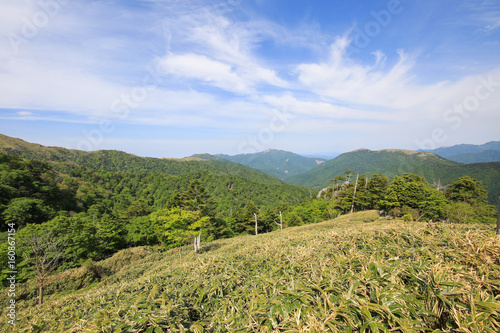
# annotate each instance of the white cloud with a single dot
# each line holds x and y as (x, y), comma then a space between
(199, 67)
(324, 110)
(224, 49)
(344, 80)
(492, 26)
(24, 113)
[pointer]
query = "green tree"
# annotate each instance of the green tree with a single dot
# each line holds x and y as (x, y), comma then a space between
(377, 189)
(138, 208)
(411, 194)
(467, 190)
(177, 226)
(22, 211)
(142, 230)
(246, 219)
(109, 235)
(468, 202)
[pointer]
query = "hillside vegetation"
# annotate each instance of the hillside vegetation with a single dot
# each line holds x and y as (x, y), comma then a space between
(278, 163)
(358, 272)
(397, 162)
(112, 160)
(467, 153)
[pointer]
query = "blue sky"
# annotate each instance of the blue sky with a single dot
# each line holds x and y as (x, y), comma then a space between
(171, 78)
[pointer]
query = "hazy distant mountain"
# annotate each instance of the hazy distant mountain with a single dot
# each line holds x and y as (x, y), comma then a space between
(392, 162)
(466, 153)
(278, 163)
(482, 157)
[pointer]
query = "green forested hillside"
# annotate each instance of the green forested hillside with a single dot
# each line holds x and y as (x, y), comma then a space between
(112, 160)
(71, 187)
(397, 162)
(278, 163)
(465, 149)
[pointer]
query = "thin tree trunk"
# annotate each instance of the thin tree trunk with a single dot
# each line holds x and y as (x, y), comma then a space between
(40, 292)
(498, 217)
(354, 195)
(256, 231)
(281, 222)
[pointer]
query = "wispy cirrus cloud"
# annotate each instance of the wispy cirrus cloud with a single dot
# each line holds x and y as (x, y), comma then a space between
(224, 56)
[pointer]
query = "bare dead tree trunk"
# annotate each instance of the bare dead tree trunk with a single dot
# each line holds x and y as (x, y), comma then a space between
(197, 242)
(256, 231)
(354, 195)
(498, 217)
(281, 222)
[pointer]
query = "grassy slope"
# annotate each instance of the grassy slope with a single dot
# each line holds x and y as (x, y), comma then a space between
(339, 274)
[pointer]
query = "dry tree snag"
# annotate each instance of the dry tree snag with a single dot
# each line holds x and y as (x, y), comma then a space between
(43, 252)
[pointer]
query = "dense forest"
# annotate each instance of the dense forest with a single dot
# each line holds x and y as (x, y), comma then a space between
(96, 212)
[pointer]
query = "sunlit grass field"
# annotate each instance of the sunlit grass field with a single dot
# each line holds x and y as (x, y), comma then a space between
(355, 273)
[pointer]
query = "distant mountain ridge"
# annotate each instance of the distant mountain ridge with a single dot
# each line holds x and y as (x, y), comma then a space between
(230, 184)
(389, 162)
(393, 162)
(113, 160)
(467, 153)
(278, 163)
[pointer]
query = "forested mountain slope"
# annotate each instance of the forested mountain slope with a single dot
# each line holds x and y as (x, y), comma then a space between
(392, 162)
(467, 153)
(112, 160)
(278, 163)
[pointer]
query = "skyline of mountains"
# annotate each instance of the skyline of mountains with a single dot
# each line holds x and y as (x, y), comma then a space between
(273, 166)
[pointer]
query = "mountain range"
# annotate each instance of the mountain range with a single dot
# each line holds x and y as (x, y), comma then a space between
(391, 162)
(466, 153)
(230, 184)
(272, 167)
(278, 163)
